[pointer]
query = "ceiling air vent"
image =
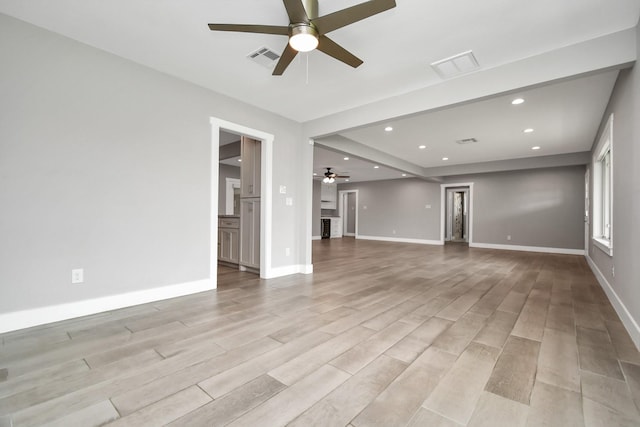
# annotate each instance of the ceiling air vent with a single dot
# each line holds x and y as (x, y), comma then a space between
(466, 141)
(264, 56)
(455, 65)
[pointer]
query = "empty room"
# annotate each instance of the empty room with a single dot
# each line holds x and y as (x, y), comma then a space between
(319, 213)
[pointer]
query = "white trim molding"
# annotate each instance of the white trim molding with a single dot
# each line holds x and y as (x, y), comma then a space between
(528, 248)
(316, 237)
(266, 201)
(288, 270)
(54, 313)
(628, 321)
(400, 240)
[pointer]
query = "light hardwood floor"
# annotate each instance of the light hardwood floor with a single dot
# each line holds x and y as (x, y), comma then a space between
(382, 334)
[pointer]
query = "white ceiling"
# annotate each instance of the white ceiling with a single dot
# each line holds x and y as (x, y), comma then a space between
(564, 117)
(397, 47)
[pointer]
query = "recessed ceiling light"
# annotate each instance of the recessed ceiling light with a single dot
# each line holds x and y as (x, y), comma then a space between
(315, 174)
(376, 167)
(528, 130)
(346, 158)
(388, 129)
(346, 180)
(445, 158)
(422, 147)
(239, 160)
(535, 148)
(517, 101)
(404, 174)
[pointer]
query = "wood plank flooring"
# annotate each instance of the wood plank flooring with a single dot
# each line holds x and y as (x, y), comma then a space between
(381, 334)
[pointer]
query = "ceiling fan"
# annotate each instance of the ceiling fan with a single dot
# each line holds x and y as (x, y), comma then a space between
(330, 177)
(306, 30)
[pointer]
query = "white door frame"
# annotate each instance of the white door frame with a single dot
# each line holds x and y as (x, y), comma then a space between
(342, 211)
(230, 185)
(266, 205)
(587, 219)
(443, 211)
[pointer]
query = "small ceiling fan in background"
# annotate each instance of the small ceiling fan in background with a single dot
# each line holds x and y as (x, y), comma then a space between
(330, 177)
(306, 30)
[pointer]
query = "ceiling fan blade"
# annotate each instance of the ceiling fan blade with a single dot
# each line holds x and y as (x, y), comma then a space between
(341, 18)
(296, 11)
(333, 49)
(285, 59)
(262, 29)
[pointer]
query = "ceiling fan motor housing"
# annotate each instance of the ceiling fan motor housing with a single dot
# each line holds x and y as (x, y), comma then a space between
(303, 37)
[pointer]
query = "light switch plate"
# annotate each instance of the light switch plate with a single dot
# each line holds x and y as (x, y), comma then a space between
(283, 189)
(289, 201)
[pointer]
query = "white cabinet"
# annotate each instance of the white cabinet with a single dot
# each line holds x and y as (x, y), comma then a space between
(250, 167)
(336, 227)
(250, 233)
(329, 196)
(229, 240)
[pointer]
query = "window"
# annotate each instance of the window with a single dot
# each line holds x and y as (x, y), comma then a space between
(603, 190)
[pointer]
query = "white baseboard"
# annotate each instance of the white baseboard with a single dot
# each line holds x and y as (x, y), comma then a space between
(627, 319)
(400, 240)
(288, 270)
(350, 234)
(528, 248)
(55, 313)
(316, 237)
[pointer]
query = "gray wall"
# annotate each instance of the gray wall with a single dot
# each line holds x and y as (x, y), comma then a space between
(225, 172)
(626, 192)
(105, 165)
(398, 205)
(537, 207)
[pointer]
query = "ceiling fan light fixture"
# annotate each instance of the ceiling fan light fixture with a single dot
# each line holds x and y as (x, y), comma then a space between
(304, 38)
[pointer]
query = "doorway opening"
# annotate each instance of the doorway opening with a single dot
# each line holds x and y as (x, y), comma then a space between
(261, 220)
(456, 213)
(232, 199)
(348, 212)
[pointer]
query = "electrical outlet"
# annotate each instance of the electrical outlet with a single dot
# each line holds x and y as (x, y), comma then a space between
(393, 231)
(287, 251)
(289, 201)
(508, 236)
(77, 275)
(427, 206)
(613, 271)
